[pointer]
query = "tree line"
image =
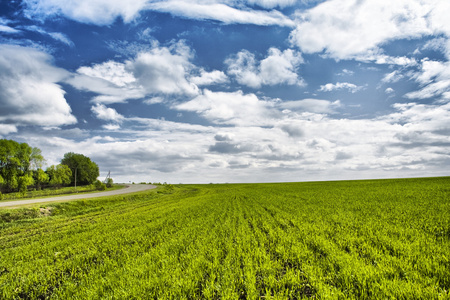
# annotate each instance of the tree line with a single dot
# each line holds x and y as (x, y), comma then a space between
(21, 168)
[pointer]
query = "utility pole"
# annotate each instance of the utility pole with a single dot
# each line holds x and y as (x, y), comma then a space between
(107, 176)
(76, 178)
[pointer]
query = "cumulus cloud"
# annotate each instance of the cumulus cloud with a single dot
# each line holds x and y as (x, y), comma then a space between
(209, 78)
(157, 71)
(329, 87)
(164, 70)
(292, 129)
(7, 129)
(230, 108)
(420, 116)
(214, 10)
(348, 29)
(29, 93)
(106, 113)
(111, 71)
(411, 141)
(110, 81)
(277, 68)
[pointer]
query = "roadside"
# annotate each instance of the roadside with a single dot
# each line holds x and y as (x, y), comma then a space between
(127, 190)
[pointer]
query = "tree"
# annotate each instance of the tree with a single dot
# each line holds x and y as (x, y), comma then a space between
(100, 186)
(59, 175)
(14, 164)
(24, 182)
(86, 170)
(36, 158)
(109, 182)
(40, 177)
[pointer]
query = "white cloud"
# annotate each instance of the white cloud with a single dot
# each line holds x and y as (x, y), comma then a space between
(294, 146)
(111, 71)
(277, 68)
(105, 12)
(329, 87)
(382, 59)
(389, 90)
(157, 71)
(243, 67)
(154, 100)
(438, 44)
(230, 108)
(106, 113)
(62, 38)
(98, 12)
(346, 72)
(421, 117)
(5, 28)
(432, 70)
(348, 29)
(29, 93)
(209, 78)
(164, 70)
(111, 127)
(434, 77)
(432, 90)
(311, 105)
(272, 3)
(392, 77)
(105, 84)
(7, 129)
(214, 10)
(55, 35)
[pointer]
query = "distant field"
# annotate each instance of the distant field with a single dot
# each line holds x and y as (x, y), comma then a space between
(374, 239)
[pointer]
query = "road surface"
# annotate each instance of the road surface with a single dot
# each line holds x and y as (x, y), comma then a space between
(127, 190)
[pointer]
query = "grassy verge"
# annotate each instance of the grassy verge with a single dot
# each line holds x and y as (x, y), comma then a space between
(51, 192)
(375, 239)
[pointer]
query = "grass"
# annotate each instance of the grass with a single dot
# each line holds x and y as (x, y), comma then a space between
(374, 239)
(51, 192)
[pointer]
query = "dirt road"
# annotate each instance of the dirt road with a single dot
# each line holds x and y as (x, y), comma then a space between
(127, 190)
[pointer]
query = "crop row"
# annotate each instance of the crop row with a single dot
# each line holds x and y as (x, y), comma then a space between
(324, 240)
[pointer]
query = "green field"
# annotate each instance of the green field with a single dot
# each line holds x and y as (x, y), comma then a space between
(374, 239)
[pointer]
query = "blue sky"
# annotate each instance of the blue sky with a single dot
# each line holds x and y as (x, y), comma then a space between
(231, 91)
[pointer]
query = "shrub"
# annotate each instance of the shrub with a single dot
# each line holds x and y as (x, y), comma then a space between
(109, 182)
(100, 185)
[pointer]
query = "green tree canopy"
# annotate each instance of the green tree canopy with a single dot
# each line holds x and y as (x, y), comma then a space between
(15, 164)
(36, 158)
(86, 170)
(40, 177)
(59, 175)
